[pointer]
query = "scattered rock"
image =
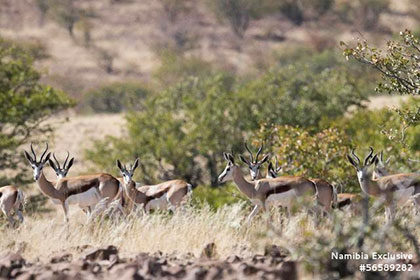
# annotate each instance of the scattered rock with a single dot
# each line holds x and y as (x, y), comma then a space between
(209, 251)
(101, 254)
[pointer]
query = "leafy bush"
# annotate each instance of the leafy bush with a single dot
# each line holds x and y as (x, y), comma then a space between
(175, 67)
(34, 48)
(299, 11)
(319, 155)
(217, 197)
(115, 98)
(24, 104)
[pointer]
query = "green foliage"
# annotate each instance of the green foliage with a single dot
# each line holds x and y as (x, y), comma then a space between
(175, 67)
(382, 130)
(319, 155)
(289, 94)
(363, 12)
(24, 104)
(217, 197)
(398, 64)
(116, 97)
(33, 48)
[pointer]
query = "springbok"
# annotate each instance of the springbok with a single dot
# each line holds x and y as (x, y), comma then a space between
(254, 165)
(352, 201)
(163, 196)
(392, 189)
(84, 191)
(264, 193)
(327, 194)
(11, 198)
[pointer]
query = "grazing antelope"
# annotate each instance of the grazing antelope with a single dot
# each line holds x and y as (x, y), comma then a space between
(265, 193)
(84, 191)
(254, 164)
(392, 189)
(163, 196)
(11, 198)
(327, 195)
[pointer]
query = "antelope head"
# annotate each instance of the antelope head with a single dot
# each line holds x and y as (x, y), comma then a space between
(127, 173)
(381, 165)
(227, 174)
(274, 170)
(362, 170)
(61, 172)
(254, 164)
(36, 165)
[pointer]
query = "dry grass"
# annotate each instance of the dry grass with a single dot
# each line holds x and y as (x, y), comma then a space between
(189, 230)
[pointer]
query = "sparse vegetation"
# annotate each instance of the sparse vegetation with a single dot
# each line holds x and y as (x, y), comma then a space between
(24, 104)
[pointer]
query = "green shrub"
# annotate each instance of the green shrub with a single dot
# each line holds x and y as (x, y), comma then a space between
(25, 104)
(34, 48)
(115, 98)
(319, 155)
(217, 197)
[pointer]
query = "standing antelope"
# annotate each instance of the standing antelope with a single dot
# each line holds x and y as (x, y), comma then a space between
(11, 198)
(265, 193)
(352, 200)
(402, 186)
(327, 195)
(163, 196)
(84, 191)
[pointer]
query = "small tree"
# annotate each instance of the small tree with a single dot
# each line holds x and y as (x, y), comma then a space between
(24, 106)
(399, 65)
(43, 6)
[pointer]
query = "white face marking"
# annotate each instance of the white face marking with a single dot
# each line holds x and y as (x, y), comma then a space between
(254, 170)
(226, 175)
(37, 171)
(360, 175)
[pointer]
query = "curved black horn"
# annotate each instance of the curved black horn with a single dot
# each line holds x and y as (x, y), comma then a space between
(64, 164)
(33, 152)
(368, 156)
(258, 153)
(56, 161)
(355, 156)
(45, 151)
(251, 157)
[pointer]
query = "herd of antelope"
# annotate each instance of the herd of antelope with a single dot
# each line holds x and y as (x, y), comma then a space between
(275, 189)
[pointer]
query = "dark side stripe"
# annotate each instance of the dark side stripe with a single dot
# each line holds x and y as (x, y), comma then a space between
(343, 203)
(278, 189)
(83, 188)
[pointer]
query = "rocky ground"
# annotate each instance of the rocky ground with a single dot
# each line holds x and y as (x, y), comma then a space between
(106, 263)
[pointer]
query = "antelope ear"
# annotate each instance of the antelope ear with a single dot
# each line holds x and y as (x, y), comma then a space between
(70, 163)
(135, 165)
(244, 159)
(231, 158)
(119, 164)
(28, 157)
(225, 156)
(47, 157)
(265, 158)
(374, 160)
(52, 164)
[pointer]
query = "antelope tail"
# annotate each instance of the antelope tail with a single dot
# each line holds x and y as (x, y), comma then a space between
(189, 191)
(335, 198)
(20, 200)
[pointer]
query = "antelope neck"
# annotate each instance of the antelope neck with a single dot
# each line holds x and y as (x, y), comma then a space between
(243, 185)
(47, 188)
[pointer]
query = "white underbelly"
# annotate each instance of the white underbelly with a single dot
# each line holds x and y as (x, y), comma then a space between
(56, 201)
(85, 199)
(281, 199)
(160, 203)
